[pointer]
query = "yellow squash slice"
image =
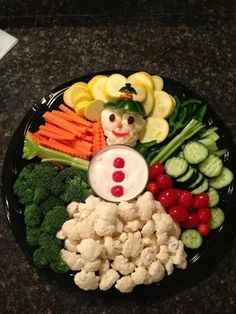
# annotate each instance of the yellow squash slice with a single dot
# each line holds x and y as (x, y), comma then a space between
(113, 85)
(142, 78)
(96, 87)
(163, 106)
(81, 106)
(158, 82)
(82, 85)
(79, 94)
(154, 129)
(141, 92)
(67, 97)
(149, 101)
(93, 110)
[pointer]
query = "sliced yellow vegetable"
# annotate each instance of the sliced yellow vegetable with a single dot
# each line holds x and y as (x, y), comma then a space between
(113, 85)
(149, 101)
(141, 78)
(81, 85)
(158, 82)
(163, 106)
(79, 94)
(154, 129)
(173, 100)
(141, 92)
(93, 110)
(80, 107)
(67, 97)
(96, 87)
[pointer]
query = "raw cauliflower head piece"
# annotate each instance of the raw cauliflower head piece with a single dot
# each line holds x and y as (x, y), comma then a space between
(125, 284)
(105, 221)
(89, 249)
(73, 260)
(121, 127)
(133, 246)
(108, 279)
(86, 280)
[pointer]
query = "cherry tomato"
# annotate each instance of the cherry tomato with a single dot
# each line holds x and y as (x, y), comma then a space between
(204, 215)
(168, 198)
(179, 213)
(164, 182)
(155, 170)
(185, 199)
(192, 221)
(152, 187)
(201, 200)
(204, 229)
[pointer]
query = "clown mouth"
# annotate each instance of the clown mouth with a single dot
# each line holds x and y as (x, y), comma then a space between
(120, 134)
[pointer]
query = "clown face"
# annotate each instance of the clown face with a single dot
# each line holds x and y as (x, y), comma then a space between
(121, 127)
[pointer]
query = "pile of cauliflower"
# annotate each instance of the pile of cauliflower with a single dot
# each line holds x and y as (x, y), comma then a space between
(125, 244)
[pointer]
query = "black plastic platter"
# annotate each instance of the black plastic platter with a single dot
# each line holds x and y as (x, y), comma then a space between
(199, 261)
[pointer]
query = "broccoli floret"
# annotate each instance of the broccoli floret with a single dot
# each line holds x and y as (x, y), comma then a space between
(54, 219)
(75, 190)
(32, 215)
(26, 196)
(40, 195)
(42, 175)
(49, 203)
(41, 258)
(32, 235)
(45, 239)
(59, 266)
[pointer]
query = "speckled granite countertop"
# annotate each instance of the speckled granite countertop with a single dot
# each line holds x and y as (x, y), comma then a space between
(199, 55)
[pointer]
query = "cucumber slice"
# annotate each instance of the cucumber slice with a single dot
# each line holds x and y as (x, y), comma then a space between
(224, 179)
(199, 180)
(217, 217)
(195, 152)
(185, 177)
(191, 239)
(176, 167)
(210, 144)
(202, 188)
(211, 167)
(214, 197)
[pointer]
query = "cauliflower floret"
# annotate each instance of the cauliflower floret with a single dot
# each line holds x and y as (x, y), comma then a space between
(72, 208)
(105, 265)
(139, 275)
(163, 223)
(179, 259)
(125, 284)
(175, 230)
(123, 237)
(70, 229)
(162, 239)
(146, 206)
(133, 226)
(85, 227)
(61, 235)
(148, 256)
(108, 279)
(163, 255)
(148, 228)
(71, 245)
(93, 266)
(133, 245)
(112, 247)
(89, 249)
(156, 271)
(119, 226)
(105, 222)
(169, 266)
(73, 260)
(159, 207)
(122, 265)
(86, 280)
(173, 245)
(150, 241)
(127, 211)
(92, 201)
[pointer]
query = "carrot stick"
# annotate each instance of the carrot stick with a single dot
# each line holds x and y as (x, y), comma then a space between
(65, 149)
(55, 129)
(74, 116)
(68, 126)
(66, 117)
(62, 137)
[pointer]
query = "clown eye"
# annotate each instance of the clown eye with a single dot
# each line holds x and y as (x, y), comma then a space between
(112, 117)
(130, 120)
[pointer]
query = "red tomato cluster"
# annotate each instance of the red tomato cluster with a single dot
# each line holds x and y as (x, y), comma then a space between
(188, 210)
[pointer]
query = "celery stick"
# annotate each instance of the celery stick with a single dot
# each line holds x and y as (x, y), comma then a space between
(191, 129)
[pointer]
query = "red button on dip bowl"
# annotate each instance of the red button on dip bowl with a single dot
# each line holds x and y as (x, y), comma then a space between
(118, 173)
